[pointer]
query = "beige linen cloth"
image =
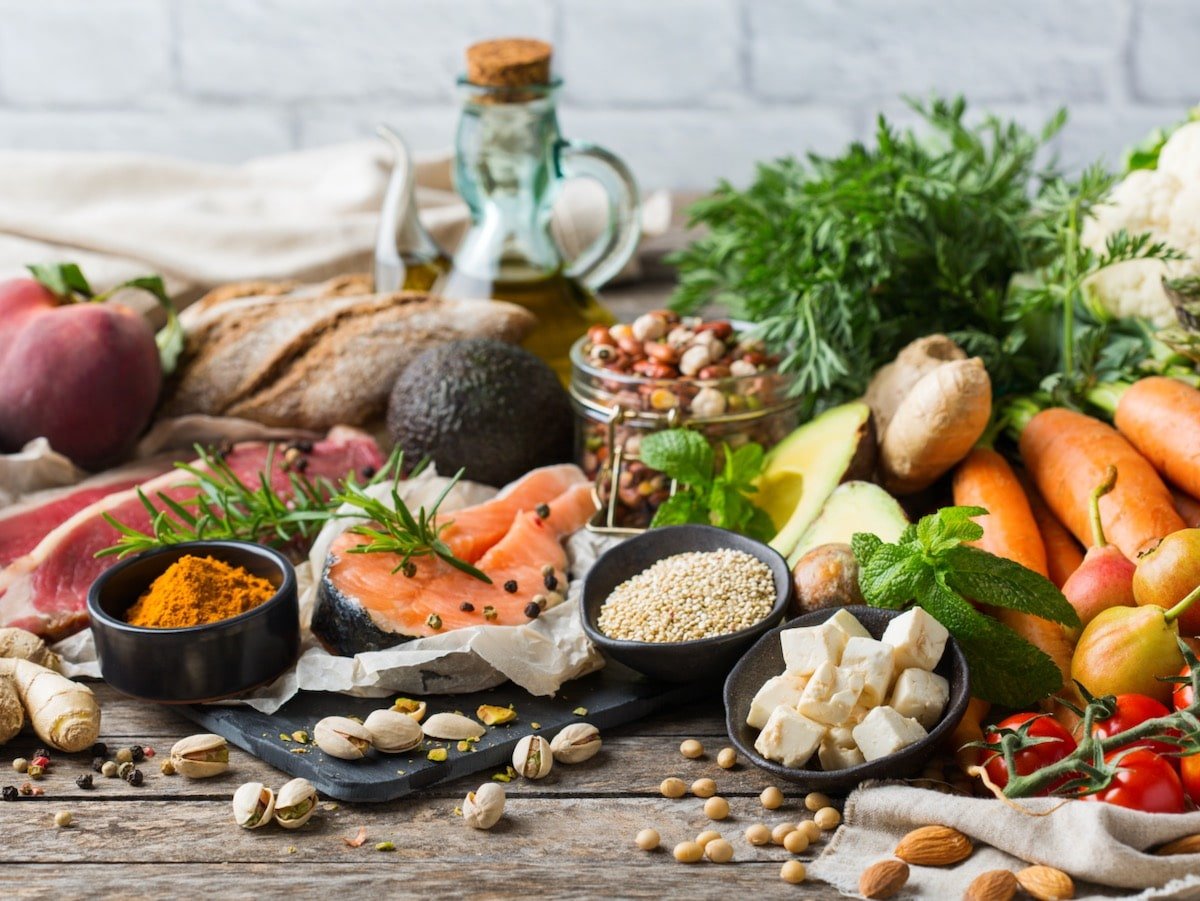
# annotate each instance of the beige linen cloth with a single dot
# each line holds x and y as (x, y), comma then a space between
(306, 215)
(1103, 847)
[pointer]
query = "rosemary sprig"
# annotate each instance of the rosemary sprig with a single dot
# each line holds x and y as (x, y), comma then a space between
(225, 508)
(396, 530)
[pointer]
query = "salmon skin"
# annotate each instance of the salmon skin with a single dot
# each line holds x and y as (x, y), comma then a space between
(363, 606)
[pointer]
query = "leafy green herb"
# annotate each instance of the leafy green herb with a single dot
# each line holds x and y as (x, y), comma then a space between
(396, 530)
(1144, 155)
(933, 566)
(227, 509)
(705, 493)
(67, 281)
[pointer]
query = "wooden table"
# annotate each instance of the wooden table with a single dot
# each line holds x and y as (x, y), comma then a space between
(567, 836)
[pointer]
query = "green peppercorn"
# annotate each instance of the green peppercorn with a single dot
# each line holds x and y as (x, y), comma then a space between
(125, 769)
(109, 770)
(125, 755)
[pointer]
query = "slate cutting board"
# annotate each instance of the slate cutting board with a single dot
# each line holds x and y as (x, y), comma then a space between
(613, 696)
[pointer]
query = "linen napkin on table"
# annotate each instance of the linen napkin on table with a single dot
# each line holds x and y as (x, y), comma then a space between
(306, 215)
(1102, 847)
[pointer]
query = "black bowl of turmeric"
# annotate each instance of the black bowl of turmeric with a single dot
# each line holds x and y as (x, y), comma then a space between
(197, 621)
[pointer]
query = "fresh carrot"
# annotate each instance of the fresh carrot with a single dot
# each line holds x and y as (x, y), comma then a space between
(1187, 507)
(1068, 454)
(1161, 417)
(984, 479)
(969, 729)
(1063, 552)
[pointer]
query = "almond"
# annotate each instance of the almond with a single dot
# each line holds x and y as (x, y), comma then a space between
(934, 846)
(1046, 883)
(883, 879)
(994, 885)
(1189, 844)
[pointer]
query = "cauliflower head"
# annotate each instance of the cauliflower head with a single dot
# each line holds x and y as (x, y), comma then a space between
(1165, 202)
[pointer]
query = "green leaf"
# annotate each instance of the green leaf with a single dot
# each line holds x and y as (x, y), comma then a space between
(682, 454)
(993, 580)
(743, 465)
(679, 509)
(948, 528)
(894, 576)
(864, 545)
(759, 526)
(63, 280)
(1005, 668)
(170, 338)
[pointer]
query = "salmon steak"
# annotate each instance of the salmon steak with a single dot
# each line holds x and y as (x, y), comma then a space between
(516, 539)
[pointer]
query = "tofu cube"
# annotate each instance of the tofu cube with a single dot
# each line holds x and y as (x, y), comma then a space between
(806, 649)
(918, 638)
(921, 695)
(778, 691)
(834, 757)
(876, 661)
(830, 694)
(846, 621)
(885, 732)
(789, 737)
(858, 714)
(842, 736)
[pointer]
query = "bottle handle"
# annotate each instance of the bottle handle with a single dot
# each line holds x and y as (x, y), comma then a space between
(600, 262)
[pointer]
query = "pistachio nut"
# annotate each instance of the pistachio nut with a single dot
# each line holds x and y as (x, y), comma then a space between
(483, 807)
(409, 707)
(491, 715)
(576, 743)
(532, 757)
(340, 737)
(452, 727)
(200, 756)
(393, 732)
(295, 803)
(253, 805)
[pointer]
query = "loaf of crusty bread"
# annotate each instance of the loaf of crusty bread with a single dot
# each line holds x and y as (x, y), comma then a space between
(316, 356)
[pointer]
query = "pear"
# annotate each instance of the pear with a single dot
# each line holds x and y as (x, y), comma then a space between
(1129, 650)
(1105, 577)
(1168, 572)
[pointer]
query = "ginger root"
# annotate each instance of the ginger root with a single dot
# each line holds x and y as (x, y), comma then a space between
(64, 714)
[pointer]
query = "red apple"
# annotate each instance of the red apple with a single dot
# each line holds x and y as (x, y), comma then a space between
(84, 375)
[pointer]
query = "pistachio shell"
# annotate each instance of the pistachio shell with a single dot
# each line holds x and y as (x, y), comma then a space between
(200, 756)
(393, 732)
(483, 807)
(295, 803)
(253, 805)
(452, 727)
(532, 757)
(340, 737)
(576, 743)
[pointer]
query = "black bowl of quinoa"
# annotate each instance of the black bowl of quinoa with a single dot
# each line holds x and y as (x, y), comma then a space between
(683, 603)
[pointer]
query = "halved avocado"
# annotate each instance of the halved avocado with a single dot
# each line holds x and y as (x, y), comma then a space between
(853, 507)
(802, 470)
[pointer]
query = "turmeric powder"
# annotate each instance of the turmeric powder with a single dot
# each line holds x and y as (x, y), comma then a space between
(195, 591)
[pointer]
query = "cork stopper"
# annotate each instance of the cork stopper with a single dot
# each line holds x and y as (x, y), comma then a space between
(509, 63)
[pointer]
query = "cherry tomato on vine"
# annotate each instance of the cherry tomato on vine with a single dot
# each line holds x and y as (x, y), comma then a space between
(1144, 781)
(1189, 771)
(1133, 710)
(1062, 744)
(1182, 696)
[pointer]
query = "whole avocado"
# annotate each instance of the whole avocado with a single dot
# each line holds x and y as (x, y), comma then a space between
(491, 408)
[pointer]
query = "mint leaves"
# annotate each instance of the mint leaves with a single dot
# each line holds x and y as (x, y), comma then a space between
(933, 566)
(718, 498)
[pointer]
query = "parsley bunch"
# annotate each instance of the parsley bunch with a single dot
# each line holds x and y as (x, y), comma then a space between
(705, 492)
(933, 566)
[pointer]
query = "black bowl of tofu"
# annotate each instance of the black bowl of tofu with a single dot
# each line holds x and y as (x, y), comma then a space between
(846, 694)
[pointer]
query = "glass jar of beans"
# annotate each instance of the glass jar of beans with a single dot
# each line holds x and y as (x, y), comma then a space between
(663, 371)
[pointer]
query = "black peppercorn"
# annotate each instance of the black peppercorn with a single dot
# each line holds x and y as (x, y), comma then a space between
(84, 781)
(97, 763)
(99, 749)
(511, 586)
(542, 510)
(466, 607)
(40, 752)
(138, 752)
(532, 610)
(409, 568)
(135, 777)
(551, 582)
(9, 793)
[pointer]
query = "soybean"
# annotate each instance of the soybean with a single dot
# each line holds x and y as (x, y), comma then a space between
(716, 808)
(689, 852)
(795, 842)
(673, 787)
(827, 818)
(719, 851)
(647, 839)
(727, 758)
(793, 871)
(704, 788)
(758, 834)
(708, 835)
(815, 801)
(771, 798)
(691, 749)
(780, 832)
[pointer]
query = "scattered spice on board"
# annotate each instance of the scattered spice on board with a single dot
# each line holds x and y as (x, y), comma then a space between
(690, 596)
(195, 591)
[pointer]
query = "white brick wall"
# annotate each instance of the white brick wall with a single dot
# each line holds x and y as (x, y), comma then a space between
(687, 90)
